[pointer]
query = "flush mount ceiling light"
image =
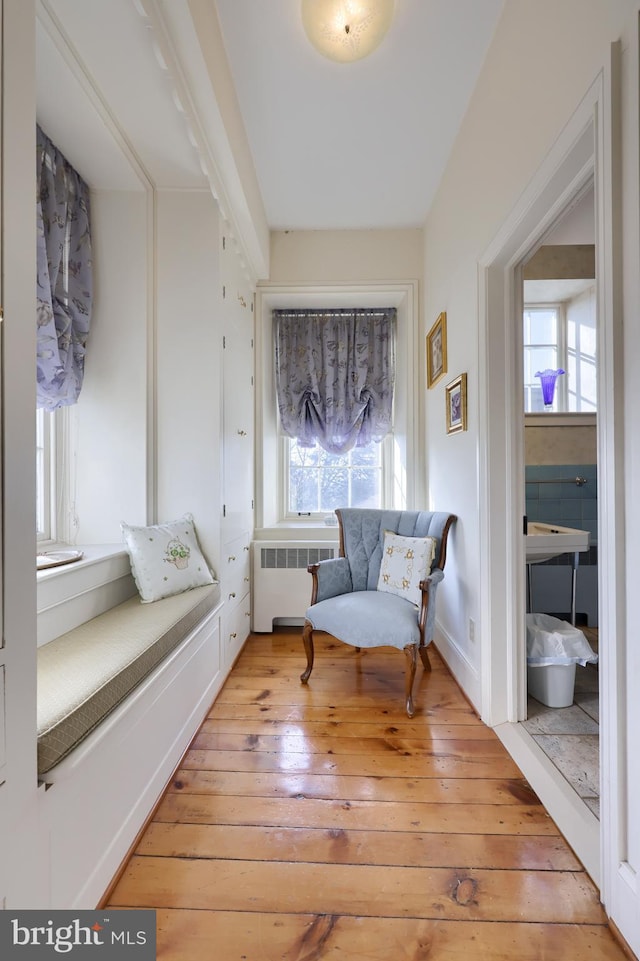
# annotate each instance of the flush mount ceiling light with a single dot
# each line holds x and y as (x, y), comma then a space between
(346, 30)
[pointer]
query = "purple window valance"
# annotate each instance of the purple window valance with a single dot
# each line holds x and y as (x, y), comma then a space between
(64, 281)
(335, 375)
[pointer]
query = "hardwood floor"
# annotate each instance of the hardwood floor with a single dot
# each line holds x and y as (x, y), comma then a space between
(320, 822)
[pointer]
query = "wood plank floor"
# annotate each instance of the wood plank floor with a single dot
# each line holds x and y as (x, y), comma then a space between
(320, 822)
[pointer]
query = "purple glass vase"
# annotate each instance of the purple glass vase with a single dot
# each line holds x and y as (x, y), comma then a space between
(548, 380)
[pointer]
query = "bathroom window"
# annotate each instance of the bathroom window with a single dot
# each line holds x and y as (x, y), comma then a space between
(542, 349)
(581, 359)
(561, 336)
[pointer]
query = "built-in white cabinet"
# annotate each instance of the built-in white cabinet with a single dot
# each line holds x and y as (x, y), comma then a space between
(237, 448)
(236, 583)
(236, 592)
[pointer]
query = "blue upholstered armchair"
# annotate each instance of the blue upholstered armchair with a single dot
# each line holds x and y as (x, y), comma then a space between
(381, 590)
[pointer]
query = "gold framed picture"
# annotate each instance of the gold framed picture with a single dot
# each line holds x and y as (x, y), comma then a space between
(456, 395)
(437, 350)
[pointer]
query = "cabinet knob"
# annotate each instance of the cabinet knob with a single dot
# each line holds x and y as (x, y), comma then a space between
(233, 635)
(232, 594)
(242, 433)
(247, 579)
(231, 558)
(246, 548)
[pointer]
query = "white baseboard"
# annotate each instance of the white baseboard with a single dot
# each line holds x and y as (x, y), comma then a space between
(459, 665)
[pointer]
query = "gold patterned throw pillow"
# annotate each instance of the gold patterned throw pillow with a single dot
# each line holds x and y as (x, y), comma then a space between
(405, 562)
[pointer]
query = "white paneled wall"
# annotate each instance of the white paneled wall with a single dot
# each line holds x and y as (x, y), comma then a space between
(109, 423)
(188, 347)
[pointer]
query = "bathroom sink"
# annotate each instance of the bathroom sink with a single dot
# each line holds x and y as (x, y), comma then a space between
(543, 541)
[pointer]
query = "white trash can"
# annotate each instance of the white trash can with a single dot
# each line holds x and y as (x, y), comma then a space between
(552, 684)
(554, 647)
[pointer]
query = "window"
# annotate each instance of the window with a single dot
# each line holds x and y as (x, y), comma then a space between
(335, 376)
(581, 361)
(317, 482)
(55, 518)
(562, 336)
(45, 475)
(542, 349)
(402, 479)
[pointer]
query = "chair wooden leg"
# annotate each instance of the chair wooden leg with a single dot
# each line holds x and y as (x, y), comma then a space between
(424, 657)
(307, 640)
(411, 653)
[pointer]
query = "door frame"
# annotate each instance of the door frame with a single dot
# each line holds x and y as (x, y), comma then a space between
(588, 147)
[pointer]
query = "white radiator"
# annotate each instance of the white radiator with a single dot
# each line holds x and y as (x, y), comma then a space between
(281, 582)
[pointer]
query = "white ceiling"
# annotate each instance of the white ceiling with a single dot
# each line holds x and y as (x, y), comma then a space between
(334, 146)
(576, 225)
(354, 145)
(554, 291)
(105, 100)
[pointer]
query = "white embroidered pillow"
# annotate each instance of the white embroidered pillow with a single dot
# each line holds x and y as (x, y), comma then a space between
(166, 558)
(405, 562)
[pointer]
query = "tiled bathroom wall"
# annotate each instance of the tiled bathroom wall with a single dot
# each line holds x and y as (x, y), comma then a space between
(553, 497)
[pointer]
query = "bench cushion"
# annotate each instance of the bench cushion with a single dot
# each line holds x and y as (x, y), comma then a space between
(84, 674)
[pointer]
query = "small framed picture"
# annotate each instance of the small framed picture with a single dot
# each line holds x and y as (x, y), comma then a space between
(437, 350)
(456, 394)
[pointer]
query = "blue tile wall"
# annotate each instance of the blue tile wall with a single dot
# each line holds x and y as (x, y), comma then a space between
(565, 504)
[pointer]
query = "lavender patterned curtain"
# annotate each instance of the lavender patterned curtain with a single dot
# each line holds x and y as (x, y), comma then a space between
(64, 284)
(335, 374)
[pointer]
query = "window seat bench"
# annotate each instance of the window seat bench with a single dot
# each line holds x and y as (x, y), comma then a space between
(84, 674)
(120, 698)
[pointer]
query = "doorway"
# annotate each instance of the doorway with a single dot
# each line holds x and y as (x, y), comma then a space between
(560, 473)
(585, 151)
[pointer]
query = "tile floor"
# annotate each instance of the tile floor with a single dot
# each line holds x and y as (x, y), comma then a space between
(569, 735)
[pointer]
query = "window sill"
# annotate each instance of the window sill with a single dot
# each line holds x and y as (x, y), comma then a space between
(74, 593)
(564, 419)
(297, 530)
(92, 554)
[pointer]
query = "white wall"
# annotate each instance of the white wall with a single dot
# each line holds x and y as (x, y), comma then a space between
(542, 61)
(110, 419)
(153, 365)
(546, 59)
(21, 877)
(351, 256)
(188, 351)
(627, 648)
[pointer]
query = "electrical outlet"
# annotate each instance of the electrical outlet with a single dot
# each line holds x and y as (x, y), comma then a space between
(472, 629)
